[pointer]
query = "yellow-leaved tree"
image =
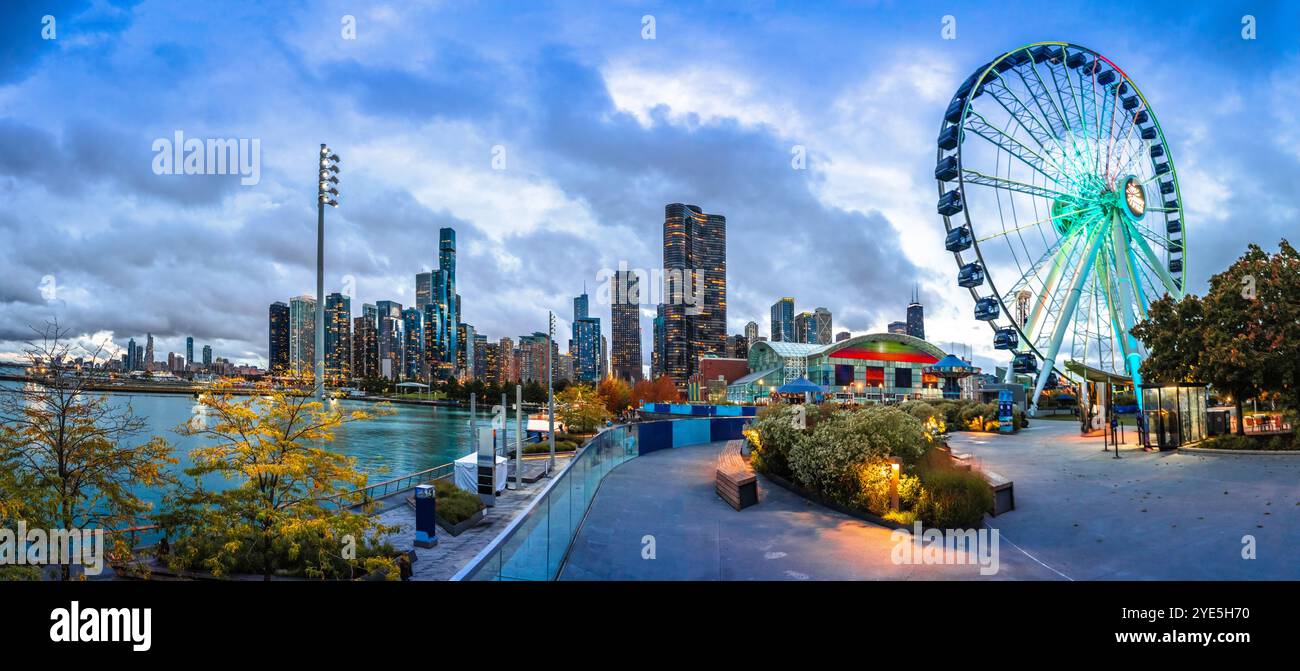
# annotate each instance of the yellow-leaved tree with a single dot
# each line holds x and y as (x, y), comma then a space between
(284, 509)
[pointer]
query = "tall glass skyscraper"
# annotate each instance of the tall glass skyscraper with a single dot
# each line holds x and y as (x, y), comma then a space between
(783, 320)
(695, 260)
(412, 343)
(189, 350)
(302, 336)
(625, 325)
(338, 337)
(365, 347)
(585, 345)
(278, 347)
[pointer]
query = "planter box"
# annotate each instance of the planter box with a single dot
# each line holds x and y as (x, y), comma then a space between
(458, 529)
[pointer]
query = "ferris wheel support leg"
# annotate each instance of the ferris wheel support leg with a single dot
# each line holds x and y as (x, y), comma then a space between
(1071, 304)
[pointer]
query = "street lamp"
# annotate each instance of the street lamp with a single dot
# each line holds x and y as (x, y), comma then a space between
(325, 195)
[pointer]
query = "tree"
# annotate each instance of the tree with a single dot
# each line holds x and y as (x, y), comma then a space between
(1243, 337)
(1174, 336)
(660, 390)
(580, 408)
(71, 455)
(616, 394)
(286, 510)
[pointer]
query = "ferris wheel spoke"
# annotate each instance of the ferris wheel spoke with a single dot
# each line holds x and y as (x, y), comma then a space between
(976, 177)
(1155, 264)
(1040, 222)
(1064, 91)
(1039, 94)
(980, 126)
(1001, 91)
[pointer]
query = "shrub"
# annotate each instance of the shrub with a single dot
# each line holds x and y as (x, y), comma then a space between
(873, 493)
(954, 499)
(832, 457)
(455, 505)
(1233, 441)
(920, 410)
(773, 435)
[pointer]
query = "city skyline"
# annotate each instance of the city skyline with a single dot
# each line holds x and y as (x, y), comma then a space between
(581, 184)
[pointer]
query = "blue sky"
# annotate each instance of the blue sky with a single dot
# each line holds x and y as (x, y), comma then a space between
(600, 129)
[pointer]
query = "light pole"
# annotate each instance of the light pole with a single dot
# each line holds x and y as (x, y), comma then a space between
(550, 387)
(325, 194)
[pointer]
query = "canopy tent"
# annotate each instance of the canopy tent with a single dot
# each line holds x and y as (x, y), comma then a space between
(799, 386)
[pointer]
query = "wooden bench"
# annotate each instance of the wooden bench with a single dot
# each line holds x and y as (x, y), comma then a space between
(1004, 496)
(735, 480)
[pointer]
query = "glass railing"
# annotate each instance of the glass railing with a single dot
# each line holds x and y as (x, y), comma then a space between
(534, 545)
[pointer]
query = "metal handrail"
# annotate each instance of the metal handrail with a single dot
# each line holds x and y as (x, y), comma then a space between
(395, 485)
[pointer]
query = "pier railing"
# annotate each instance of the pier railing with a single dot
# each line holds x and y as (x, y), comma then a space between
(536, 543)
(392, 486)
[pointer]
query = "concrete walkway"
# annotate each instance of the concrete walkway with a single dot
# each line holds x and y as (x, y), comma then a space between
(1080, 515)
(1147, 515)
(669, 495)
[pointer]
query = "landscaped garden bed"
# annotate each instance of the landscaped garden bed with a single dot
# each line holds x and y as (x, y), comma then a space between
(844, 458)
(456, 509)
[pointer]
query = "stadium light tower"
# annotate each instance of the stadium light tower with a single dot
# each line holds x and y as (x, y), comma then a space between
(325, 195)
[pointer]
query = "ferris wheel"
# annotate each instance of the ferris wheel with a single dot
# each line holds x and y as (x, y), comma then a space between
(1062, 208)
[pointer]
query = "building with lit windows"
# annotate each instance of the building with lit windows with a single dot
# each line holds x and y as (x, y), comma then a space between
(695, 263)
(338, 337)
(278, 347)
(874, 368)
(365, 348)
(302, 336)
(625, 326)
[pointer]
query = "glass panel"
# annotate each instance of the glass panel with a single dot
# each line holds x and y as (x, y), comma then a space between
(523, 555)
(560, 527)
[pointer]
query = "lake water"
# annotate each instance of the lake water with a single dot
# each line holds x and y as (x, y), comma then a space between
(412, 439)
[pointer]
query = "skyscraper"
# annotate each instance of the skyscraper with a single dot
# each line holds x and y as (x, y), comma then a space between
(658, 339)
(412, 344)
(189, 350)
(508, 372)
(842, 336)
(916, 316)
(365, 352)
(148, 351)
(389, 338)
(338, 337)
(302, 336)
(805, 328)
(423, 290)
(695, 288)
(278, 347)
(751, 332)
(625, 325)
(783, 320)
(491, 362)
(822, 321)
(132, 359)
(480, 357)
(444, 293)
(585, 345)
(465, 351)
(207, 357)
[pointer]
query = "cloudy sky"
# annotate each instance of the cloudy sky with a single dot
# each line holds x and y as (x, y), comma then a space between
(594, 129)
